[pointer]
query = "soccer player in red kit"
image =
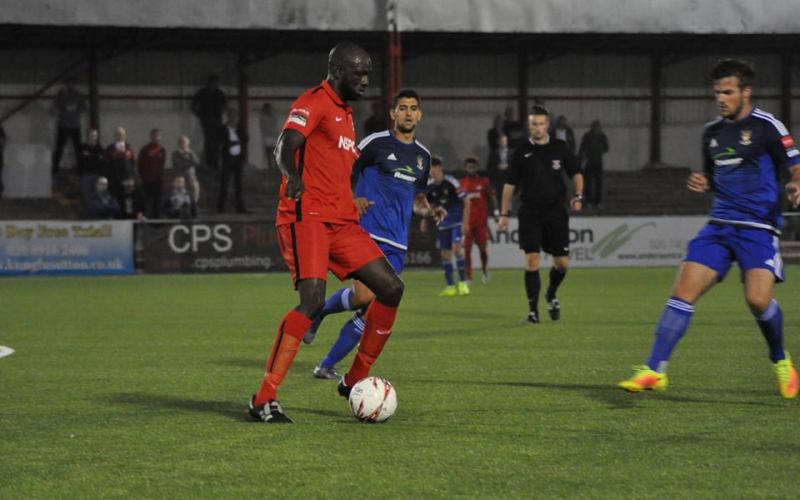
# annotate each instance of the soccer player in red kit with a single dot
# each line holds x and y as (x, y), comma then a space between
(317, 225)
(481, 196)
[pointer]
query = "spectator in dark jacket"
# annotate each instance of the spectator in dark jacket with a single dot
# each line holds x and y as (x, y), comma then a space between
(120, 161)
(91, 161)
(101, 204)
(209, 104)
(131, 202)
(152, 158)
(233, 139)
(561, 130)
(68, 106)
(594, 145)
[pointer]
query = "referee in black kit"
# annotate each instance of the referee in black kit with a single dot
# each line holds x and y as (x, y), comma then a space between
(537, 167)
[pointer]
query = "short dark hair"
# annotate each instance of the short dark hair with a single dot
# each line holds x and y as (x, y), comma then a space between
(538, 109)
(436, 161)
(471, 159)
(405, 94)
(742, 70)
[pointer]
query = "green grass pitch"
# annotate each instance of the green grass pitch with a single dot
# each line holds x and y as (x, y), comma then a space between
(136, 387)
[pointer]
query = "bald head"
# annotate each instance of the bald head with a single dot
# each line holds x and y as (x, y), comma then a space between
(348, 70)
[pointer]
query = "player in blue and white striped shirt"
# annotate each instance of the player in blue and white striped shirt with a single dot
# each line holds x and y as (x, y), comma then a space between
(745, 150)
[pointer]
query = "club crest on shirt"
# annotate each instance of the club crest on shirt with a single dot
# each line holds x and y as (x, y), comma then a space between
(745, 139)
(420, 162)
(713, 143)
(556, 164)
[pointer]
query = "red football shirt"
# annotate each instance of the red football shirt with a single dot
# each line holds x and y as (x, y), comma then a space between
(325, 161)
(479, 192)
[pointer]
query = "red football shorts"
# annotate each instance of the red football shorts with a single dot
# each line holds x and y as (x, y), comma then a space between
(479, 233)
(311, 248)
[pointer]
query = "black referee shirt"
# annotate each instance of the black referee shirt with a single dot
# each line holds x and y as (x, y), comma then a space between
(537, 170)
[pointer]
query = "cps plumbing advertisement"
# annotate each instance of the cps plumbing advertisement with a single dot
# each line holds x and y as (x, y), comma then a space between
(605, 241)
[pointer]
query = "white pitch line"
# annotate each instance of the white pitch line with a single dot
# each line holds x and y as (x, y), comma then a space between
(5, 351)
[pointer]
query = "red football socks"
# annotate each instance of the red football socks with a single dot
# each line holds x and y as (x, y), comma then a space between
(284, 349)
(377, 329)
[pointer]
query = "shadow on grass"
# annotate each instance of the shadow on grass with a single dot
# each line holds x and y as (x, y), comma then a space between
(234, 410)
(616, 398)
(620, 399)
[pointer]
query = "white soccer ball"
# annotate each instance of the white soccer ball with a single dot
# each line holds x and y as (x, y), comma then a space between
(373, 400)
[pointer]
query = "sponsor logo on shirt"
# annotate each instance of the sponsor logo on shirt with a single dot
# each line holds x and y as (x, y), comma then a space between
(405, 173)
(347, 144)
(727, 157)
(728, 162)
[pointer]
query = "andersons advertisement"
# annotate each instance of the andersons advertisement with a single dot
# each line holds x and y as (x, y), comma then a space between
(66, 247)
(607, 242)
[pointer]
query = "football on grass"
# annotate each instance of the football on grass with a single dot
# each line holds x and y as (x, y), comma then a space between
(373, 400)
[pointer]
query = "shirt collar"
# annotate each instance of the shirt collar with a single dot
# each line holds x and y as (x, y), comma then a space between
(326, 86)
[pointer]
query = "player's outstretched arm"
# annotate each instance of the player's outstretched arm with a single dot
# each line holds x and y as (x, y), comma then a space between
(697, 182)
(285, 153)
(793, 187)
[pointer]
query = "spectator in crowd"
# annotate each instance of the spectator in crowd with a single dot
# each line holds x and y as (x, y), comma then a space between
(513, 129)
(131, 202)
(67, 107)
(101, 204)
(594, 144)
(91, 161)
(494, 133)
(185, 164)
(563, 132)
(152, 158)
(2, 157)
(180, 204)
(120, 161)
(377, 121)
(209, 104)
(234, 141)
(498, 164)
(270, 130)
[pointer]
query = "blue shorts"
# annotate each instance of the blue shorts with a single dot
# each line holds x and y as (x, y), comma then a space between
(449, 236)
(395, 256)
(718, 245)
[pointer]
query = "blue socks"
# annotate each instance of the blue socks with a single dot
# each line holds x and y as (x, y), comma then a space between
(673, 324)
(339, 301)
(448, 272)
(771, 324)
(349, 336)
(461, 264)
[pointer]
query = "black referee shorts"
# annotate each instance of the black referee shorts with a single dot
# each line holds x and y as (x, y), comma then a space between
(544, 228)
